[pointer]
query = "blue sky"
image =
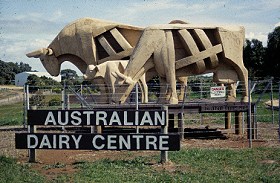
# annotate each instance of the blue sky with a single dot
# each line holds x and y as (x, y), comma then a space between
(26, 25)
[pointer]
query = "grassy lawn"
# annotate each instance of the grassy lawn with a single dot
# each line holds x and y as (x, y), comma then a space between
(11, 172)
(11, 114)
(193, 165)
(188, 165)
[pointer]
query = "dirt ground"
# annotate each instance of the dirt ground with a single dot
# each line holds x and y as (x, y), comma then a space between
(52, 163)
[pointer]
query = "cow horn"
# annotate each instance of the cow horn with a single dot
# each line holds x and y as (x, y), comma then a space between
(50, 51)
(37, 53)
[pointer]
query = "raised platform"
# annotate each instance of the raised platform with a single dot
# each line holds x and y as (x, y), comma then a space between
(192, 107)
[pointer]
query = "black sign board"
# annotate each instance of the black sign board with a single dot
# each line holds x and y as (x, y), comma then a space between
(154, 142)
(96, 117)
(223, 108)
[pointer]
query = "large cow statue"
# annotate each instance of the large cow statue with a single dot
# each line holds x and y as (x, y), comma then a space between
(89, 41)
(184, 50)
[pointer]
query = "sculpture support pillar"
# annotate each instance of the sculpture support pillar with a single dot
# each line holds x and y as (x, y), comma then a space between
(227, 120)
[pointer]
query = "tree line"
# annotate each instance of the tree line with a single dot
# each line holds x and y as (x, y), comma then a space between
(263, 61)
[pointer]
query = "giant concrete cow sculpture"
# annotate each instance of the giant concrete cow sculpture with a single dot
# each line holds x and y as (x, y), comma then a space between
(183, 50)
(90, 41)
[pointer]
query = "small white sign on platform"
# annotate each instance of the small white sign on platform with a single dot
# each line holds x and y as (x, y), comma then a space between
(218, 91)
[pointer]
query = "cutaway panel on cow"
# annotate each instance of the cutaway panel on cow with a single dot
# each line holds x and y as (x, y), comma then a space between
(101, 52)
(106, 45)
(197, 39)
(191, 48)
(213, 36)
(204, 43)
(120, 39)
(112, 41)
(179, 48)
(132, 36)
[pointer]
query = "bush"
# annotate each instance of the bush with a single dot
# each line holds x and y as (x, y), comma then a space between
(54, 102)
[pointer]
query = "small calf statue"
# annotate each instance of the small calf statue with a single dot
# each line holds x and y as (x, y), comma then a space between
(107, 72)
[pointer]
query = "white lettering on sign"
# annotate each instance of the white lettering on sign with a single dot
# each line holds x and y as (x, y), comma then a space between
(50, 119)
(95, 138)
(126, 122)
(160, 118)
(76, 118)
(151, 140)
(101, 116)
(98, 142)
(163, 145)
(146, 119)
(219, 91)
(124, 142)
(112, 142)
(30, 144)
(112, 118)
(88, 113)
(115, 119)
(64, 141)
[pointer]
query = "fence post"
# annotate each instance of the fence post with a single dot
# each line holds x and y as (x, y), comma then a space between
(137, 103)
(249, 116)
(271, 99)
(279, 110)
(181, 125)
(238, 123)
(227, 120)
(32, 152)
(164, 130)
(26, 104)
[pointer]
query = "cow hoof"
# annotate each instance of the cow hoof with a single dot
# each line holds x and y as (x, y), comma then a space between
(231, 99)
(173, 100)
(181, 97)
(245, 99)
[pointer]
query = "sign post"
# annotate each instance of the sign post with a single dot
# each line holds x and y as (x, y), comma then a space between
(164, 130)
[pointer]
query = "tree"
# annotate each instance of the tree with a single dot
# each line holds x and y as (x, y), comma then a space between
(10, 69)
(67, 74)
(70, 77)
(253, 57)
(272, 64)
(36, 82)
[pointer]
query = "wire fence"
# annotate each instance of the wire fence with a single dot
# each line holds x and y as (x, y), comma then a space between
(264, 96)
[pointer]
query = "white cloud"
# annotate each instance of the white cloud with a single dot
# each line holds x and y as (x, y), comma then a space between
(56, 16)
(278, 24)
(257, 35)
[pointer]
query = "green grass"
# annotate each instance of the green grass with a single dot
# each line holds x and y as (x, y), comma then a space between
(11, 172)
(11, 114)
(192, 165)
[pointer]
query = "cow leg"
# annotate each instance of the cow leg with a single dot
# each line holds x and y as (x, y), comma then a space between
(139, 62)
(163, 90)
(243, 75)
(169, 65)
(104, 95)
(183, 83)
(144, 89)
(231, 92)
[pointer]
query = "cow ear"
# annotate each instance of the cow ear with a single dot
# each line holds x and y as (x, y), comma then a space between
(121, 67)
(97, 68)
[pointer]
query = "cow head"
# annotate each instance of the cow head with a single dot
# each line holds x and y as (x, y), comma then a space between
(48, 59)
(91, 72)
